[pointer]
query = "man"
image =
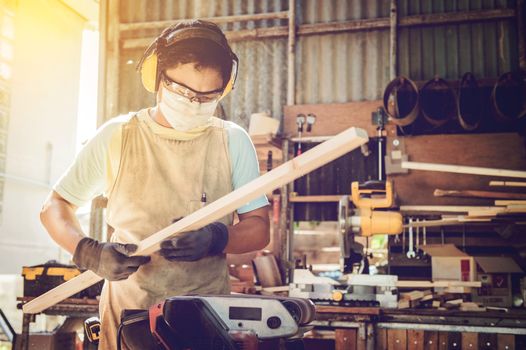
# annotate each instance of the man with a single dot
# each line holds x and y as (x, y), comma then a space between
(156, 166)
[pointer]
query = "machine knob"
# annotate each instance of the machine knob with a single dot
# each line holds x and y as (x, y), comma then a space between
(273, 322)
(337, 295)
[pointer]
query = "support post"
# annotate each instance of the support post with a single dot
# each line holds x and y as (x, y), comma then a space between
(393, 58)
(291, 55)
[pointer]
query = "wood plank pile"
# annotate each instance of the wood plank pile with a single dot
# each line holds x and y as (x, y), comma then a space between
(442, 299)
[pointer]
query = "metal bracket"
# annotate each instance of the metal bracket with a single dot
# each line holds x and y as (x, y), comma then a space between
(395, 156)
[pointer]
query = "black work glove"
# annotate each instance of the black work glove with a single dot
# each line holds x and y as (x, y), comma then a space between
(108, 260)
(194, 245)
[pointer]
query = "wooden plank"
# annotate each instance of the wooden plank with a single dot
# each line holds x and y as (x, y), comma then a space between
(332, 118)
(381, 339)
(313, 199)
(442, 208)
(436, 284)
(342, 26)
(447, 221)
(501, 151)
(470, 341)
(345, 339)
(460, 169)
(507, 183)
(397, 339)
(361, 337)
(506, 341)
(430, 340)
(285, 173)
(478, 194)
(498, 211)
(218, 19)
(443, 340)
(415, 339)
(509, 202)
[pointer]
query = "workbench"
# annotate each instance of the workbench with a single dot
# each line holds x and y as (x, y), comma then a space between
(376, 328)
(79, 309)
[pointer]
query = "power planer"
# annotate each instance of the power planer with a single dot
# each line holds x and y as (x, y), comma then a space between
(223, 322)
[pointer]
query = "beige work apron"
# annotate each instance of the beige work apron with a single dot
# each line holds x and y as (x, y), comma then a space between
(161, 179)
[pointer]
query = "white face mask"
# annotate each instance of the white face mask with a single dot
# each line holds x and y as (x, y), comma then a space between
(182, 114)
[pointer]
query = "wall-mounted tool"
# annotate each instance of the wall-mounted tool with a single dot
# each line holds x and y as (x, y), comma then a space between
(300, 121)
(311, 119)
(361, 218)
(379, 118)
(411, 251)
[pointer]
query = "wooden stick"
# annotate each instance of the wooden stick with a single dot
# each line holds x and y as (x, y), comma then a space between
(507, 183)
(282, 175)
(441, 208)
(448, 221)
(439, 284)
(478, 194)
(460, 169)
(499, 211)
(509, 202)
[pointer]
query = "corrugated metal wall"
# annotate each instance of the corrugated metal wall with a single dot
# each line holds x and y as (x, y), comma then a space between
(486, 49)
(330, 68)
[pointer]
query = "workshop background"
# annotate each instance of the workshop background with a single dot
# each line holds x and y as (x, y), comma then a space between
(68, 66)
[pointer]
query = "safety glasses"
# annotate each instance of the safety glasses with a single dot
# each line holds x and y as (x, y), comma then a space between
(192, 95)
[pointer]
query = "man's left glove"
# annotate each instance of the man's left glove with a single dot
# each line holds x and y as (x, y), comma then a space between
(194, 245)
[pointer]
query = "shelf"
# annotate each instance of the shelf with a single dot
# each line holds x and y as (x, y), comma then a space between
(316, 199)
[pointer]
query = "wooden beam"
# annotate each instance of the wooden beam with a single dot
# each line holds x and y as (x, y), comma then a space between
(498, 211)
(460, 169)
(447, 221)
(291, 54)
(478, 194)
(339, 27)
(442, 208)
(507, 183)
(285, 173)
(123, 27)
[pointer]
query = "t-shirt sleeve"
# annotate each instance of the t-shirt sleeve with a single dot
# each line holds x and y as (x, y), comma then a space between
(86, 177)
(245, 166)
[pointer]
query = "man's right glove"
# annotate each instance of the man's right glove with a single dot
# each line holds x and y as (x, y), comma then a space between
(108, 260)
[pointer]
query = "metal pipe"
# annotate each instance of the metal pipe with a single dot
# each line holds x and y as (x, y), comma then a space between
(393, 62)
(124, 27)
(291, 55)
(353, 26)
(283, 220)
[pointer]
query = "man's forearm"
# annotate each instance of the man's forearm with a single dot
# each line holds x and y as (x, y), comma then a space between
(58, 217)
(248, 235)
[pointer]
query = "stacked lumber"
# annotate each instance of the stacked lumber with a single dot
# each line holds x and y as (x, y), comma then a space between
(444, 295)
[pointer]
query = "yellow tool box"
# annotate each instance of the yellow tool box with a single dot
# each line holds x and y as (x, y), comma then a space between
(41, 278)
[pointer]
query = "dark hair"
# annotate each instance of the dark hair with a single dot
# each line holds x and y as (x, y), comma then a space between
(204, 53)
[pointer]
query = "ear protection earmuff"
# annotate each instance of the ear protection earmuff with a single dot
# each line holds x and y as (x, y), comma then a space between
(149, 67)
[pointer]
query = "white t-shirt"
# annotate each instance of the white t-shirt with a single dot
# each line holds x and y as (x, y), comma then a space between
(96, 165)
